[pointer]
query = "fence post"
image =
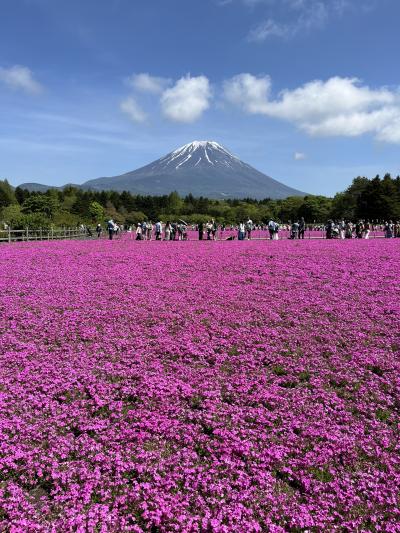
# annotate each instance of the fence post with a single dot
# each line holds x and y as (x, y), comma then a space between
(27, 233)
(9, 234)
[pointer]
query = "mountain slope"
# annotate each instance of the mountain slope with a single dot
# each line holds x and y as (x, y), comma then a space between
(203, 168)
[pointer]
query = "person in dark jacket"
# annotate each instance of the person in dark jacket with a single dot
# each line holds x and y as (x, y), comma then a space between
(329, 229)
(302, 228)
(111, 228)
(359, 229)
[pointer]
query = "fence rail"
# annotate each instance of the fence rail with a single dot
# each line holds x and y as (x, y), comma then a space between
(20, 235)
(27, 234)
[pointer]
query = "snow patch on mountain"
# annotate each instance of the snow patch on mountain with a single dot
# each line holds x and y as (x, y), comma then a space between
(203, 153)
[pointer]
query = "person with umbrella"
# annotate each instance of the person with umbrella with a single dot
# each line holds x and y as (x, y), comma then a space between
(182, 230)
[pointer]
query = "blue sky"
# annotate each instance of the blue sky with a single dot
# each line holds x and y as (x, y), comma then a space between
(306, 91)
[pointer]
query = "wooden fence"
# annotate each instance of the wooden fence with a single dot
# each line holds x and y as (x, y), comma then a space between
(28, 234)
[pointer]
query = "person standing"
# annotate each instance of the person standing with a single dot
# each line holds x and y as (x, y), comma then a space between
(139, 232)
(276, 231)
(329, 229)
(168, 231)
(209, 229)
(201, 231)
(242, 231)
(294, 230)
(348, 233)
(271, 229)
(366, 230)
(111, 228)
(158, 230)
(149, 230)
(144, 230)
(342, 228)
(184, 232)
(249, 227)
(180, 232)
(174, 231)
(302, 228)
(99, 230)
(214, 229)
(389, 229)
(359, 229)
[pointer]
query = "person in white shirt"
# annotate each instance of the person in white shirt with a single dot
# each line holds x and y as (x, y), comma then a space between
(168, 231)
(249, 227)
(158, 231)
(242, 231)
(149, 230)
(271, 229)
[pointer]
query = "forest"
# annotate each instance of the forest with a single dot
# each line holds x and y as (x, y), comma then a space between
(376, 199)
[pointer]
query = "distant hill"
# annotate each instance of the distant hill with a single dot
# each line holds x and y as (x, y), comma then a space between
(202, 168)
(38, 187)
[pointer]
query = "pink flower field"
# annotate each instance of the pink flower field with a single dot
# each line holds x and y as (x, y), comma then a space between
(200, 386)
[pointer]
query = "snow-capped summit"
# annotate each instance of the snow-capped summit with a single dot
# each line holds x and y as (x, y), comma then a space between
(203, 145)
(202, 168)
(198, 153)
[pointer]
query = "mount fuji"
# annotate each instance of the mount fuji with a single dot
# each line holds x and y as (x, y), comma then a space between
(202, 168)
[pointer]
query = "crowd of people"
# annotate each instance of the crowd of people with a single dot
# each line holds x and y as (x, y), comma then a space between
(360, 230)
(171, 231)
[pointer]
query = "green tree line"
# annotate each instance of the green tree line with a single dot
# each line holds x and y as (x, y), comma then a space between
(371, 199)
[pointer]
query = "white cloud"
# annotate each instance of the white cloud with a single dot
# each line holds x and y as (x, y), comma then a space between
(336, 107)
(299, 156)
(337, 96)
(311, 14)
(187, 100)
(146, 83)
(390, 132)
(20, 77)
(130, 107)
(248, 92)
(269, 28)
(301, 16)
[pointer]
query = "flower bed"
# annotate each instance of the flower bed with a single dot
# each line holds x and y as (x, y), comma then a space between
(213, 387)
